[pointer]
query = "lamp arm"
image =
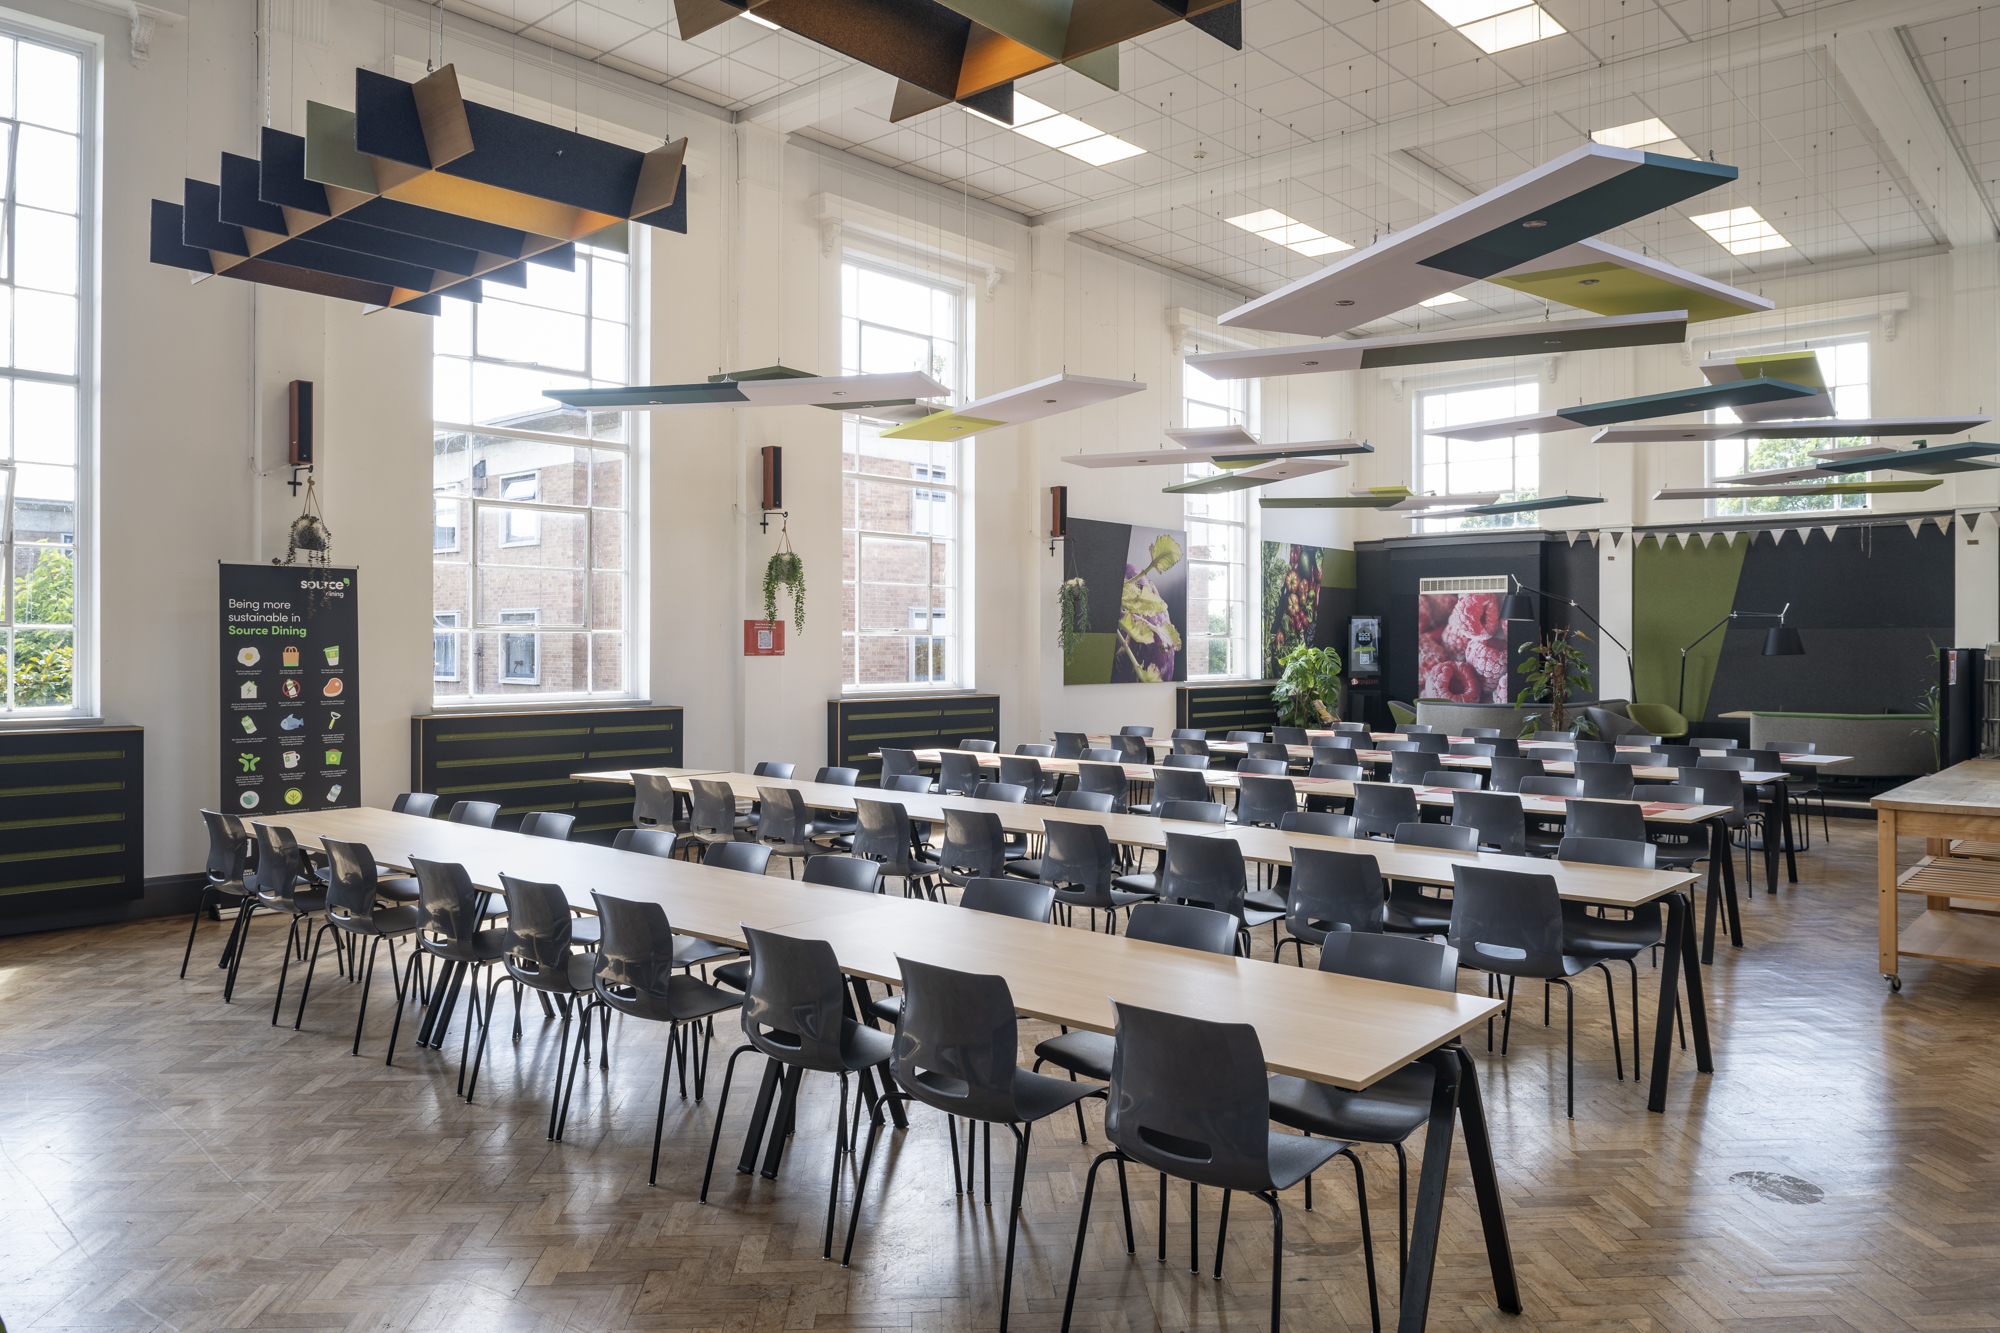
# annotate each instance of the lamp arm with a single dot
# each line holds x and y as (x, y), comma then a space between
(1631, 670)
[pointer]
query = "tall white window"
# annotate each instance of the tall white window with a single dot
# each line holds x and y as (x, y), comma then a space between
(902, 546)
(1844, 365)
(46, 310)
(532, 504)
(1510, 467)
(1218, 528)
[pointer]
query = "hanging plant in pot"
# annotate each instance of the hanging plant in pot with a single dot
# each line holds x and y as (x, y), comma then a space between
(786, 570)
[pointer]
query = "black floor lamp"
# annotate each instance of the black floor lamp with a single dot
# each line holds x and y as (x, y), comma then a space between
(1781, 640)
(1520, 606)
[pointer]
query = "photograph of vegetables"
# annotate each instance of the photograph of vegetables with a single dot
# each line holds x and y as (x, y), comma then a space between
(1134, 604)
(1291, 601)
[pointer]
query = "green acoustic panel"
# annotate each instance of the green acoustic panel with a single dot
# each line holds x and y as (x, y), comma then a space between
(1528, 506)
(1930, 462)
(655, 395)
(1703, 398)
(1678, 593)
(1333, 502)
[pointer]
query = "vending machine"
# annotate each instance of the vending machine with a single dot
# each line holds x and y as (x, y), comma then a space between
(1364, 670)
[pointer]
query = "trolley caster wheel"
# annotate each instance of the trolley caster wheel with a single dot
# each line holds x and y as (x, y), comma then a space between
(1895, 982)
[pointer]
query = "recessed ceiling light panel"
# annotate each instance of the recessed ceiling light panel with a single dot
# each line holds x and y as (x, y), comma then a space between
(1741, 231)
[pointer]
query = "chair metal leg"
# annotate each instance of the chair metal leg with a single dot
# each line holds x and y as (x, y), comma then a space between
(1367, 1236)
(1278, 1258)
(486, 1031)
(861, 1183)
(1163, 1217)
(1194, 1227)
(1221, 1234)
(202, 904)
(368, 975)
(721, 1106)
(416, 962)
(306, 988)
(1083, 1228)
(1569, 1045)
(1611, 994)
(1021, 1138)
(833, 1185)
(578, 1057)
(660, 1116)
(1402, 1215)
(562, 1056)
(292, 943)
(238, 938)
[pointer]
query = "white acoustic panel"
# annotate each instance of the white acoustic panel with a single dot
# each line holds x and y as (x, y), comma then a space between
(1417, 349)
(1025, 402)
(1218, 453)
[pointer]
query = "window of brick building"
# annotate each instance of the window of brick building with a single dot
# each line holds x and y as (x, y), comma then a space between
(903, 550)
(532, 501)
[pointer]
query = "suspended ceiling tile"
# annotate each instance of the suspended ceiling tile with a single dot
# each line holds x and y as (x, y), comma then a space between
(590, 27)
(651, 50)
(636, 69)
(496, 16)
(1269, 23)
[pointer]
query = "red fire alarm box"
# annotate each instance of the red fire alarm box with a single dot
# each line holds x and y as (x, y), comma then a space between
(763, 638)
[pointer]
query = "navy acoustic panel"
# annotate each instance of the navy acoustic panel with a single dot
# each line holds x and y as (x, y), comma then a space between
(523, 761)
(854, 727)
(72, 819)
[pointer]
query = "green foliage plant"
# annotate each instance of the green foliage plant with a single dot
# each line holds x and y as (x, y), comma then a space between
(786, 570)
(1553, 670)
(1308, 687)
(1073, 613)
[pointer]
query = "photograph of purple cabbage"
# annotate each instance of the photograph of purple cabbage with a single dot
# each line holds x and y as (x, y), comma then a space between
(1148, 643)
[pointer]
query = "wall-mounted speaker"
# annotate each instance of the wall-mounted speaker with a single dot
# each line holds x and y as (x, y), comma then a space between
(1058, 512)
(774, 477)
(300, 451)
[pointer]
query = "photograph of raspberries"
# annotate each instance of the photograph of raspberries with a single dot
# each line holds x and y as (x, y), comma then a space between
(1461, 647)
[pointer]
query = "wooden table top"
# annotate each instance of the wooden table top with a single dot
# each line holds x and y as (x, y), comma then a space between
(624, 775)
(1555, 767)
(1971, 788)
(1594, 884)
(1335, 1029)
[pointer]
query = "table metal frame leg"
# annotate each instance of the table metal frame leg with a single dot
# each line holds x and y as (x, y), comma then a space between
(1455, 1096)
(1683, 952)
(1721, 891)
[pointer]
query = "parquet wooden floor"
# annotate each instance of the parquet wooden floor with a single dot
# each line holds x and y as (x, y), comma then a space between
(170, 1162)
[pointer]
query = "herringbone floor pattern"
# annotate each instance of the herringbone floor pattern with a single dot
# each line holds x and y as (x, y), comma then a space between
(170, 1162)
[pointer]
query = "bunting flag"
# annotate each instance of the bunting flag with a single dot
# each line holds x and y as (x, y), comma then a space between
(1915, 525)
(1595, 535)
(1617, 538)
(1828, 531)
(1572, 537)
(1943, 522)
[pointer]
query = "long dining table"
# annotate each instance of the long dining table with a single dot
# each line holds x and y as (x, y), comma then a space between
(1346, 1031)
(1603, 886)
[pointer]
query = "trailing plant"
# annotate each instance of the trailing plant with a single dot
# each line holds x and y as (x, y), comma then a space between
(1073, 613)
(1553, 669)
(1308, 686)
(1929, 704)
(785, 570)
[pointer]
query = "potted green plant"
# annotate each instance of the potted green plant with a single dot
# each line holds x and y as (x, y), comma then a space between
(1552, 670)
(1308, 689)
(785, 570)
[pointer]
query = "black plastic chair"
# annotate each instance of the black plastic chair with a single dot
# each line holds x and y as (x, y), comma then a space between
(1566, 737)
(1380, 808)
(1622, 937)
(1193, 812)
(1511, 925)
(1504, 747)
(887, 837)
(713, 816)
(1605, 819)
(1595, 752)
(1343, 772)
(647, 841)
(1555, 754)
(635, 975)
(1393, 1107)
(901, 764)
(654, 801)
(1035, 748)
(1132, 749)
(857, 873)
(1188, 734)
(1506, 773)
(1208, 872)
(1190, 1099)
(1715, 743)
(958, 773)
(1723, 786)
(978, 746)
(1341, 740)
(1330, 891)
(1605, 782)
(1194, 761)
(1321, 822)
(1496, 816)
(1482, 733)
(1101, 754)
(1409, 766)
(228, 861)
(1415, 908)
(1174, 784)
(1100, 802)
(1106, 779)
(794, 1013)
(1551, 784)
(1802, 790)
(1194, 747)
(1678, 846)
(1079, 864)
(785, 825)
(975, 847)
(1244, 737)
(547, 824)
(1026, 773)
(1607, 852)
(774, 768)
(1640, 758)
(1471, 749)
(1456, 779)
(1444, 837)
(282, 882)
(1018, 898)
(351, 909)
(475, 814)
(536, 954)
(448, 931)
(956, 1037)
(419, 803)
(749, 857)
(1263, 801)
(1070, 745)
(1679, 756)
(1269, 768)
(835, 825)
(1135, 731)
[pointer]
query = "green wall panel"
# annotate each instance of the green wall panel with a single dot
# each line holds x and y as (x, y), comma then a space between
(1677, 593)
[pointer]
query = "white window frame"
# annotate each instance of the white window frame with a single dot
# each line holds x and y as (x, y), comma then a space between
(448, 627)
(438, 505)
(529, 533)
(1246, 633)
(510, 629)
(1526, 520)
(926, 489)
(82, 550)
(1843, 504)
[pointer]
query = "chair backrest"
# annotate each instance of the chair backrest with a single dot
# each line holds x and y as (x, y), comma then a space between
(1013, 793)
(956, 1041)
(1188, 734)
(228, 846)
(1132, 749)
(1135, 731)
(1193, 812)
(908, 782)
(652, 800)
(1108, 779)
(1506, 921)
(1035, 748)
(1322, 822)
(1607, 852)
(1410, 766)
(1404, 960)
(1267, 750)
(844, 872)
(1333, 891)
(1290, 736)
(773, 768)
(1564, 736)
(1595, 752)
(1183, 926)
(837, 776)
(1506, 773)
(1677, 793)
(1609, 782)
(538, 925)
(974, 843)
(1246, 736)
(1194, 761)
(1207, 871)
(1070, 744)
(1551, 784)
(980, 746)
(419, 803)
(1401, 745)
(1497, 817)
(1555, 754)
(548, 824)
(447, 902)
(1022, 899)
(280, 862)
(1736, 762)
(1343, 772)
(1639, 758)
(1192, 747)
(1446, 837)
(645, 841)
(1179, 784)
(749, 857)
(1715, 743)
(1415, 728)
(1455, 778)
(1604, 819)
(793, 1006)
(1212, 1127)
(714, 806)
(475, 814)
(350, 881)
(897, 763)
(1379, 807)
(1353, 728)
(1265, 767)
(1430, 742)
(1340, 740)
(1263, 800)
(1471, 748)
(1636, 738)
(1102, 754)
(1078, 855)
(885, 833)
(785, 820)
(1482, 732)
(1021, 771)
(1099, 801)
(1718, 786)
(635, 952)
(958, 773)
(1506, 745)
(1680, 756)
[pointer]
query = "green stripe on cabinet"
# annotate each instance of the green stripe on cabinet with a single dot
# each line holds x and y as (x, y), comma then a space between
(55, 885)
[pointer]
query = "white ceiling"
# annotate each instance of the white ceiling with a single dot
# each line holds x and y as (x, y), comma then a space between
(1359, 117)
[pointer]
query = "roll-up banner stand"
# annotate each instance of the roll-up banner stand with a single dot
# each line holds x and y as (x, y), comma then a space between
(291, 689)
